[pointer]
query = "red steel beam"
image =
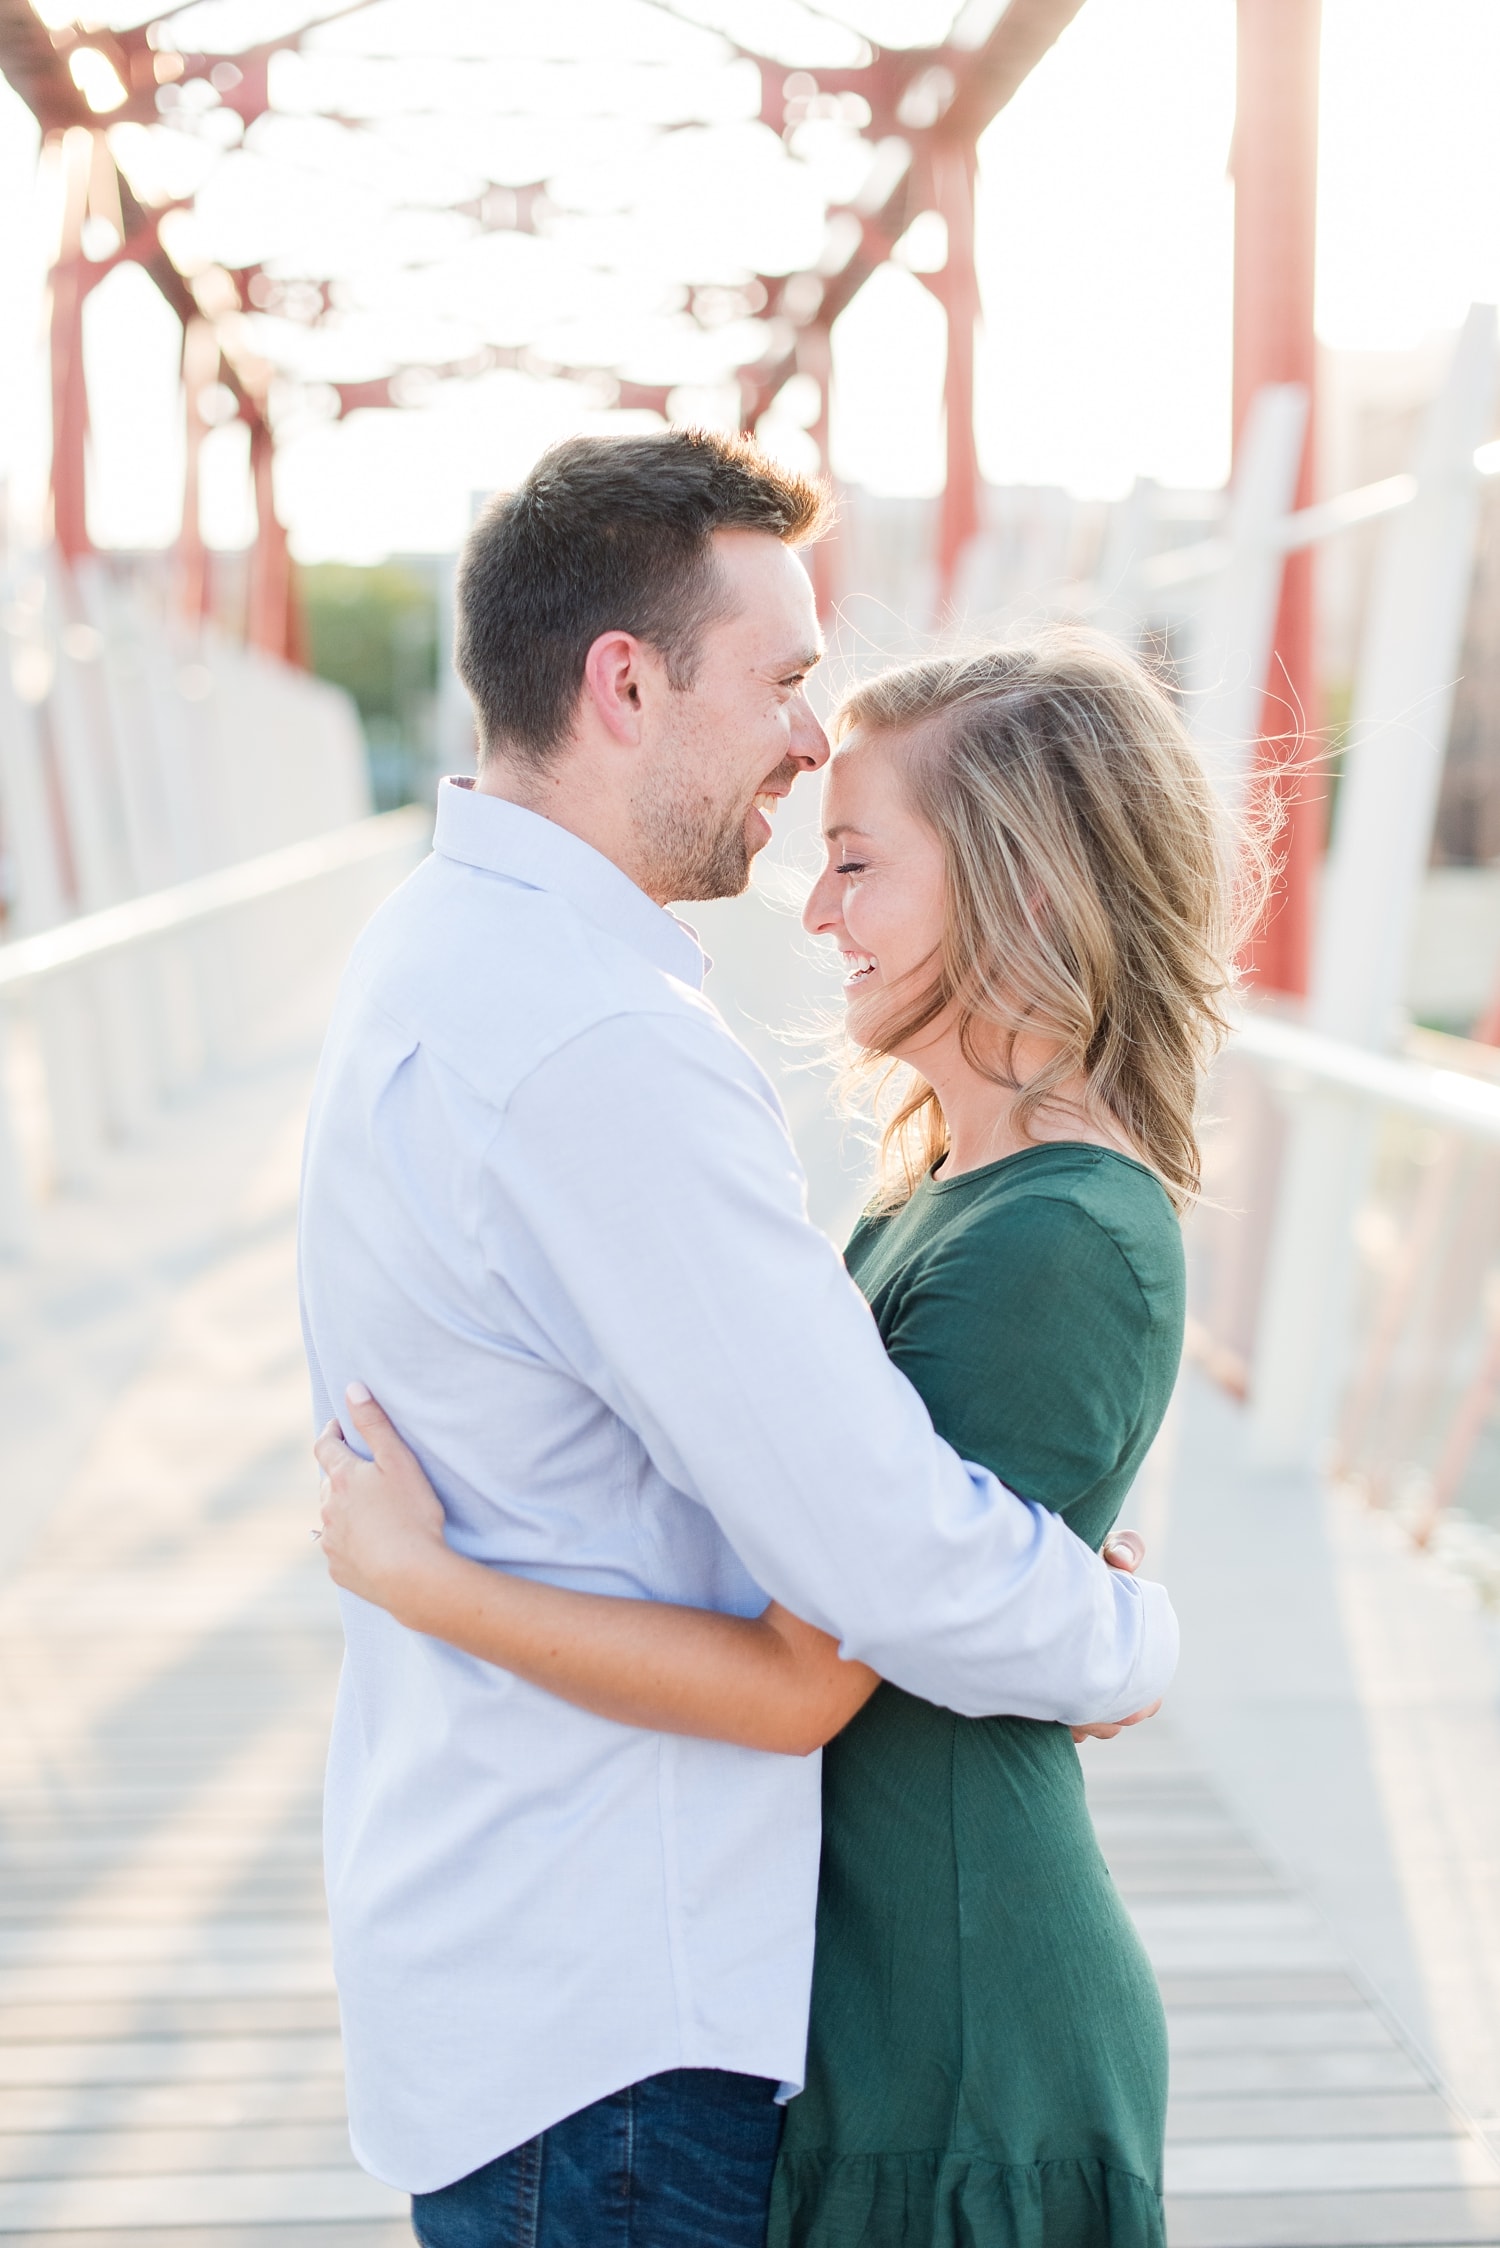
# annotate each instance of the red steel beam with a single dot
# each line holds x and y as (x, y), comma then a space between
(1275, 167)
(995, 71)
(70, 282)
(956, 287)
(967, 88)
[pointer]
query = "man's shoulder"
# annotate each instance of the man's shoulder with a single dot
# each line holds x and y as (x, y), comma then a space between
(491, 977)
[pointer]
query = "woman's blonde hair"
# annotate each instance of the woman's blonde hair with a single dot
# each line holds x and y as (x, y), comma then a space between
(1095, 894)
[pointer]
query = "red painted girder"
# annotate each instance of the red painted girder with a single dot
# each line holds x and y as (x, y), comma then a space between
(1275, 164)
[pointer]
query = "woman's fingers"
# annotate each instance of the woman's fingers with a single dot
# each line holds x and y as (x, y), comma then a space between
(336, 1458)
(374, 1425)
(330, 1451)
(1120, 1725)
(1125, 1550)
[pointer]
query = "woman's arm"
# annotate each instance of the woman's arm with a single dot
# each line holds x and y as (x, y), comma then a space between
(771, 1683)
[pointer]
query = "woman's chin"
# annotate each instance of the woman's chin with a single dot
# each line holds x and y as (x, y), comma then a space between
(861, 1018)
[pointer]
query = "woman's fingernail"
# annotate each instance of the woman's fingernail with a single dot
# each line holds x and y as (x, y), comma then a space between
(357, 1394)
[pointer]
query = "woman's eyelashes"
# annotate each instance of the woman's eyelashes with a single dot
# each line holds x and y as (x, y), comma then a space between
(850, 866)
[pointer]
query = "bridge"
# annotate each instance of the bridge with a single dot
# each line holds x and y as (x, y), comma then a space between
(1309, 1839)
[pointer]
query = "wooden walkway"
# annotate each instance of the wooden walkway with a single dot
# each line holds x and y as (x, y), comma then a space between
(1299, 2117)
(169, 2049)
(169, 2057)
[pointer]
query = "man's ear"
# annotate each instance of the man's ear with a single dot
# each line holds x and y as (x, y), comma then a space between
(612, 677)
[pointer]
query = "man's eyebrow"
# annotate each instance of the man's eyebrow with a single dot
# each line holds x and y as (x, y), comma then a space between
(804, 660)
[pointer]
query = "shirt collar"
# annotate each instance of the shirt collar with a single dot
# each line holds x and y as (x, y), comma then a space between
(504, 838)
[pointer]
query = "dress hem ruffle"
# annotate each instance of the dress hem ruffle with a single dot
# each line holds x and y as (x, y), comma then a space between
(948, 2200)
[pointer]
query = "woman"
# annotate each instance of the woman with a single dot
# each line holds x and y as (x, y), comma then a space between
(1025, 879)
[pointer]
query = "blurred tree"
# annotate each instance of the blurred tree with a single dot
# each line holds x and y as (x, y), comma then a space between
(374, 632)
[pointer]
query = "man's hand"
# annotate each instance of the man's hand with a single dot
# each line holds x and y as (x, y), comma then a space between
(1124, 1550)
(382, 1521)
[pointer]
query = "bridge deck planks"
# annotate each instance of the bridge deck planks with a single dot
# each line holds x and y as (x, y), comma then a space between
(1299, 2116)
(170, 2067)
(169, 2053)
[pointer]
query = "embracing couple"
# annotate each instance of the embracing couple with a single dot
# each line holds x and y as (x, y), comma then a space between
(686, 1496)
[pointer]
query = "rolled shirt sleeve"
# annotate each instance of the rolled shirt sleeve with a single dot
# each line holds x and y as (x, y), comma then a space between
(644, 1177)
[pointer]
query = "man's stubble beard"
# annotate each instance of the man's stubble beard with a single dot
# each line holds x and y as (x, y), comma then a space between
(695, 849)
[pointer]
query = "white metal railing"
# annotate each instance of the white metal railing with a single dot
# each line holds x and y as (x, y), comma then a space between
(1347, 1252)
(1303, 1058)
(118, 929)
(1306, 526)
(130, 1005)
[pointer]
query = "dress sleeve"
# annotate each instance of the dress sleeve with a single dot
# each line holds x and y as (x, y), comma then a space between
(1028, 1337)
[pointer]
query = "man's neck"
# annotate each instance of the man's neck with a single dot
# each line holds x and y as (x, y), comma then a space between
(555, 793)
(520, 780)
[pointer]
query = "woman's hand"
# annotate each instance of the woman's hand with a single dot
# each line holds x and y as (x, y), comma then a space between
(1124, 1550)
(382, 1522)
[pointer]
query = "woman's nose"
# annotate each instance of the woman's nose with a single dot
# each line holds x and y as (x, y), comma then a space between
(820, 915)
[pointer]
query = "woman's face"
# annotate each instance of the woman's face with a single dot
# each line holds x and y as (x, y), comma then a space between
(880, 898)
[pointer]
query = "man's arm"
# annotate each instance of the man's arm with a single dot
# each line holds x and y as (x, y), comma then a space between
(646, 1168)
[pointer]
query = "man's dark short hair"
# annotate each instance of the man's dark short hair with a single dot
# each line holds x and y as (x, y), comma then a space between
(607, 534)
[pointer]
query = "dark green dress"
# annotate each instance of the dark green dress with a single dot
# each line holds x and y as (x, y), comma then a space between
(987, 2061)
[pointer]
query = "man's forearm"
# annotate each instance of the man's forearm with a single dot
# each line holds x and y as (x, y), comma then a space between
(1068, 1640)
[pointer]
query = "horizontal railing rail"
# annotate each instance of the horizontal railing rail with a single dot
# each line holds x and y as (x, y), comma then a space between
(1306, 526)
(1415, 1088)
(118, 928)
(118, 1010)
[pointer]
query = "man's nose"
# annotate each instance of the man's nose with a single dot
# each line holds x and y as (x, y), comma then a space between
(809, 744)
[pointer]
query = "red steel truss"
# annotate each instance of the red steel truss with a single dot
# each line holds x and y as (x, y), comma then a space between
(927, 109)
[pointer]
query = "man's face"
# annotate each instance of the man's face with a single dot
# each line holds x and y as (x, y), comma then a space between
(728, 747)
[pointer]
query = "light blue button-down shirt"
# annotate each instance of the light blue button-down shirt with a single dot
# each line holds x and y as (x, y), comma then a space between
(553, 1216)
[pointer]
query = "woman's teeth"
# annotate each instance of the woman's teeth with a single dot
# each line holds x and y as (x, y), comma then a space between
(857, 965)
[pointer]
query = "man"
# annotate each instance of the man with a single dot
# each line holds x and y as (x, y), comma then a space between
(552, 1215)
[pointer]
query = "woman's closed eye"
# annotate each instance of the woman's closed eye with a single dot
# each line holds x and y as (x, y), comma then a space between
(851, 866)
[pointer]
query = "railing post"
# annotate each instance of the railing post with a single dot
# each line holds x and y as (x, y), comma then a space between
(181, 1011)
(68, 1039)
(1409, 667)
(1237, 624)
(1129, 543)
(124, 1011)
(15, 1213)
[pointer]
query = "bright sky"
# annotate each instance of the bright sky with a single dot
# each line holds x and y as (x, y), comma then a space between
(1104, 259)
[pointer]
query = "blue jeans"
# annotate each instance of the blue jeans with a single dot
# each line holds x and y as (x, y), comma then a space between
(681, 2160)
